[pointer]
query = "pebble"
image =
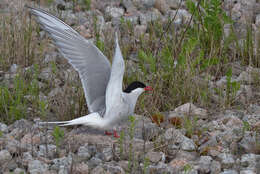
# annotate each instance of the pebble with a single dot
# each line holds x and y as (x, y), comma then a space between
(227, 160)
(3, 128)
(37, 167)
(154, 157)
(5, 157)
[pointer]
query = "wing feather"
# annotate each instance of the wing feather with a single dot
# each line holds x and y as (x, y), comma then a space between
(93, 67)
(114, 87)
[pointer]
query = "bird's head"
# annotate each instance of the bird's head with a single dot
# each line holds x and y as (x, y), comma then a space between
(137, 88)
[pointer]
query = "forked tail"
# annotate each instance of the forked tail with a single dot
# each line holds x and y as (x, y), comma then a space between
(93, 120)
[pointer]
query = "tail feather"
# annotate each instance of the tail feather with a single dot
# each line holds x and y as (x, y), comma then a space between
(54, 122)
(93, 120)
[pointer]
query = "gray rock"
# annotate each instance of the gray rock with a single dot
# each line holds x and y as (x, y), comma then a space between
(19, 128)
(83, 153)
(229, 136)
(11, 165)
(47, 151)
(62, 163)
(229, 172)
(250, 161)
(234, 113)
(257, 20)
(124, 165)
(71, 17)
(139, 30)
(98, 170)
(244, 77)
(189, 108)
(188, 156)
(114, 12)
(5, 157)
(227, 160)
(244, 94)
(144, 3)
(223, 81)
(254, 108)
(51, 57)
(252, 118)
(107, 154)
(3, 128)
(37, 167)
(113, 168)
(212, 142)
(249, 142)
(154, 157)
(248, 171)
(26, 158)
(43, 35)
(55, 92)
(160, 168)
(174, 3)
(63, 170)
(129, 6)
(190, 171)
(149, 16)
(14, 68)
(134, 19)
(248, 76)
(81, 168)
(188, 144)
(185, 15)
(92, 149)
(215, 167)
(204, 164)
(19, 171)
(177, 141)
(93, 162)
(46, 74)
(161, 5)
(145, 129)
(60, 4)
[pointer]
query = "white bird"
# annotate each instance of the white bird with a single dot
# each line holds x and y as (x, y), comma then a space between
(107, 103)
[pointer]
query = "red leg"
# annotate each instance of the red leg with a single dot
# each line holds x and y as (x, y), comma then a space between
(108, 133)
(115, 134)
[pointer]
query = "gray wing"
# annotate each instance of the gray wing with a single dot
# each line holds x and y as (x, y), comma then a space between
(114, 87)
(93, 67)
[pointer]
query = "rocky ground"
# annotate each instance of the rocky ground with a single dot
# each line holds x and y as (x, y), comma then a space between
(186, 140)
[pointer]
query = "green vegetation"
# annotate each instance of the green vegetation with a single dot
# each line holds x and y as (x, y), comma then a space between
(14, 101)
(187, 168)
(146, 164)
(87, 4)
(131, 161)
(58, 135)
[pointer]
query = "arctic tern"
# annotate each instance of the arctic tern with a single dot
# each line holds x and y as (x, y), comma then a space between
(107, 103)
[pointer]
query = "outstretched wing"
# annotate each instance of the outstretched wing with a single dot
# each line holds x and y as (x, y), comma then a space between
(114, 87)
(93, 67)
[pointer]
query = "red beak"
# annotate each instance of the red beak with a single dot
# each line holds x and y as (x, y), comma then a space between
(148, 88)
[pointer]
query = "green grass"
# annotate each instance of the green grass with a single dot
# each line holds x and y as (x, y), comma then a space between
(58, 135)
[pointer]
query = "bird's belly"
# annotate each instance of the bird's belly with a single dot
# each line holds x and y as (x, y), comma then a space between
(118, 116)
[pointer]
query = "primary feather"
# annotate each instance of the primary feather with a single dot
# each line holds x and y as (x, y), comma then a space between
(93, 67)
